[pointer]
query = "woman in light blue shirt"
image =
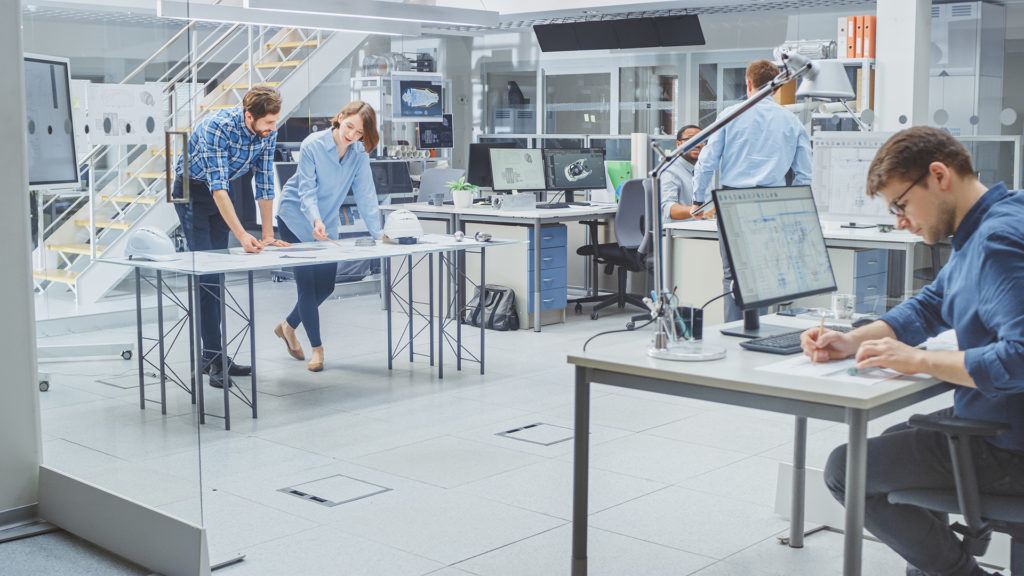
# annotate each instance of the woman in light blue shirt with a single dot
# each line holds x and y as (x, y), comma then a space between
(330, 166)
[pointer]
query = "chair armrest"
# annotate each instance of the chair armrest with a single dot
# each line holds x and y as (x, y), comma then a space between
(953, 426)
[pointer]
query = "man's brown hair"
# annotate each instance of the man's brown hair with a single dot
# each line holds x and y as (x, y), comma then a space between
(366, 112)
(907, 155)
(761, 72)
(261, 100)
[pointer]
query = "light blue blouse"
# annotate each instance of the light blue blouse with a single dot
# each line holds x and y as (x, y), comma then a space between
(322, 182)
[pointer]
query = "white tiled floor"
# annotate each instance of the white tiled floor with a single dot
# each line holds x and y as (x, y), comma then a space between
(678, 486)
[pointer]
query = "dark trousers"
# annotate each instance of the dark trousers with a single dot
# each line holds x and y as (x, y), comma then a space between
(314, 284)
(904, 457)
(204, 229)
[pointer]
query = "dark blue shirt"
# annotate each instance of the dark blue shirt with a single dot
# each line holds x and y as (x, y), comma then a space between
(222, 149)
(980, 294)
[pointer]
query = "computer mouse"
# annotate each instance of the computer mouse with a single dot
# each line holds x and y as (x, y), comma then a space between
(863, 321)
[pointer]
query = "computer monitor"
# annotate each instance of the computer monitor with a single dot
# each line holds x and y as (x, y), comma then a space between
(435, 134)
(391, 177)
(479, 171)
(574, 169)
(776, 249)
(50, 135)
(517, 169)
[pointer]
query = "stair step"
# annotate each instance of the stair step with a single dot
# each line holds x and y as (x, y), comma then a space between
(215, 107)
(245, 85)
(56, 275)
(128, 199)
(297, 44)
(147, 175)
(285, 64)
(115, 224)
(82, 249)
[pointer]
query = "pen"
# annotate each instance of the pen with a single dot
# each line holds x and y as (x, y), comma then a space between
(821, 328)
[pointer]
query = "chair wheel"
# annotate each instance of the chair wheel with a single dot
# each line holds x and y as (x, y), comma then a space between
(593, 316)
(578, 308)
(630, 325)
(126, 354)
(44, 385)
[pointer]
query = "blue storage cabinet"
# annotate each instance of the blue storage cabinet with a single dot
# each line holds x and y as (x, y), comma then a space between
(553, 278)
(870, 285)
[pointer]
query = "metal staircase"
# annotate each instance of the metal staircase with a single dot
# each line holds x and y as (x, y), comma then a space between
(126, 185)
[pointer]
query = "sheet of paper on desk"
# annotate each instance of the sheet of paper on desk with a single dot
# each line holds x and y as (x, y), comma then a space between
(836, 371)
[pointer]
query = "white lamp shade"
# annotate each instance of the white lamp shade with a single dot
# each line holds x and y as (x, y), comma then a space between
(827, 79)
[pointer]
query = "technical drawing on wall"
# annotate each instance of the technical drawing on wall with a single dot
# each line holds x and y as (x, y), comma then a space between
(839, 176)
(49, 133)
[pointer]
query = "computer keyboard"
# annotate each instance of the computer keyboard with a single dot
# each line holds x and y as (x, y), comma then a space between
(551, 205)
(785, 343)
(578, 203)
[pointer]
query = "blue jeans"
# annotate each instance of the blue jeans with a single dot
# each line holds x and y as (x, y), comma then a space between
(904, 457)
(204, 229)
(314, 284)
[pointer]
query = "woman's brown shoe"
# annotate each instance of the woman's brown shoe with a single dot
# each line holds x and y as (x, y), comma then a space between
(282, 331)
(316, 363)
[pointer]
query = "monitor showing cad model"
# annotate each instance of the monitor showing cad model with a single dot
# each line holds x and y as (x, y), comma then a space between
(435, 134)
(574, 169)
(839, 175)
(417, 97)
(774, 242)
(517, 169)
(51, 139)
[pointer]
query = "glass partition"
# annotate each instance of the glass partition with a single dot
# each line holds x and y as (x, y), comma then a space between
(647, 99)
(577, 103)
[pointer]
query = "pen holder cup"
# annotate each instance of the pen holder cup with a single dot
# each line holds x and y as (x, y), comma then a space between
(689, 322)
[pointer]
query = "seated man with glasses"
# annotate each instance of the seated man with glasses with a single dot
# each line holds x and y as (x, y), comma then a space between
(928, 179)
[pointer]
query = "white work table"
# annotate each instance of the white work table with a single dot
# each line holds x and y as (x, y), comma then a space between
(193, 265)
(536, 217)
(621, 360)
(835, 237)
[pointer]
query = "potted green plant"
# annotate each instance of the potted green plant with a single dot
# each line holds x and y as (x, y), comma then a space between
(462, 192)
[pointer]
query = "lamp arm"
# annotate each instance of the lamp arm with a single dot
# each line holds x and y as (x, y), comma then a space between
(856, 118)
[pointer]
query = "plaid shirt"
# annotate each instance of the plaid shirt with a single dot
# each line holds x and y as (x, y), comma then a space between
(222, 149)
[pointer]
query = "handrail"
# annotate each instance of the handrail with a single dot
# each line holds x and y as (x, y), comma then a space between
(159, 51)
(218, 44)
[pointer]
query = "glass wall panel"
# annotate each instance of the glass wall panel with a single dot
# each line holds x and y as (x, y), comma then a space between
(577, 103)
(647, 99)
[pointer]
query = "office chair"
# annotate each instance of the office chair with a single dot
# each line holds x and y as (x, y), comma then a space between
(623, 254)
(983, 513)
(436, 180)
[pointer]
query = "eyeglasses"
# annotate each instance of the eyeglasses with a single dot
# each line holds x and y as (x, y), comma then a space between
(899, 209)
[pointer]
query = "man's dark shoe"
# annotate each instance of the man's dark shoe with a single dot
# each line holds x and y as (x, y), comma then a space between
(233, 369)
(217, 377)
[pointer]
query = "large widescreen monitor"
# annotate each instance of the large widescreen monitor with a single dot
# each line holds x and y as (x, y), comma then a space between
(52, 162)
(479, 171)
(521, 169)
(574, 169)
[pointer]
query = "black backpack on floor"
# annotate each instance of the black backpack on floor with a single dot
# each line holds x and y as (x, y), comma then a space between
(499, 310)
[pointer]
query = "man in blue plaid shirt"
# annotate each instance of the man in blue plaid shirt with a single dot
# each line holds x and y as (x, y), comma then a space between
(226, 146)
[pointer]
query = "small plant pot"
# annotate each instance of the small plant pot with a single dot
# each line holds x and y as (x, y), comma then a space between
(462, 198)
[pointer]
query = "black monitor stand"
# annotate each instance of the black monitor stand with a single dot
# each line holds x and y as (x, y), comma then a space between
(570, 195)
(752, 327)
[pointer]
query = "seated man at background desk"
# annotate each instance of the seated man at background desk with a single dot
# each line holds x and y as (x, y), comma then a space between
(927, 178)
(677, 181)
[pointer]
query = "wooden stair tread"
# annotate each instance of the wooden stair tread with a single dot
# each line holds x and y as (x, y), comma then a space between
(115, 224)
(245, 85)
(56, 275)
(294, 44)
(82, 249)
(214, 107)
(284, 64)
(128, 199)
(146, 175)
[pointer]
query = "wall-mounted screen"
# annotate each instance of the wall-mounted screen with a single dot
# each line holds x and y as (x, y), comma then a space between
(436, 134)
(417, 97)
(52, 162)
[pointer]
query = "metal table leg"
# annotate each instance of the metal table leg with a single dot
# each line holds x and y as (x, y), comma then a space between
(580, 480)
(160, 341)
(430, 304)
(191, 338)
(536, 275)
(197, 321)
(138, 326)
(386, 272)
(442, 307)
(408, 279)
(460, 298)
(796, 517)
(856, 478)
(225, 375)
(480, 303)
(252, 341)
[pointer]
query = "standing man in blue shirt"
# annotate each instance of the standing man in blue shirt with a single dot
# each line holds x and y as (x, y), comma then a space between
(757, 149)
(225, 146)
(677, 181)
(926, 176)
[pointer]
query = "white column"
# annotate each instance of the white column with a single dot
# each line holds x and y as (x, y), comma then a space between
(19, 403)
(903, 47)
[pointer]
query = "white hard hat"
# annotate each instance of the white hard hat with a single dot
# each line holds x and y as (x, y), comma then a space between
(148, 243)
(402, 224)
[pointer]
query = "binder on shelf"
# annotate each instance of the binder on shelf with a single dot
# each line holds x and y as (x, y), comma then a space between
(869, 36)
(851, 32)
(858, 37)
(842, 46)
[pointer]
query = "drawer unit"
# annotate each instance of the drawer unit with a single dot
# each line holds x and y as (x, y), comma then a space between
(550, 299)
(870, 262)
(551, 236)
(871, 293)
(554, 257)
(549, 278)
(553, 271)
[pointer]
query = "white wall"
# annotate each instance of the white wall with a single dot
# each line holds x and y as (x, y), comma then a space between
(19, 403)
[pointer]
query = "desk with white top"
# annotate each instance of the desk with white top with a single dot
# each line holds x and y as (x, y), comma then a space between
(621, 360)
(192, 265)
(456, 218)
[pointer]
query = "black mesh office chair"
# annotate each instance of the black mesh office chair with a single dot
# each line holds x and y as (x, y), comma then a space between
(623, 254)
(982, 513)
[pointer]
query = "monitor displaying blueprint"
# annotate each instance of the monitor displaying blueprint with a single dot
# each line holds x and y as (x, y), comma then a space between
(49, 132)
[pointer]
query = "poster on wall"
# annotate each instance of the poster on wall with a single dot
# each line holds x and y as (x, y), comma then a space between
(49, 128)
(125, 114)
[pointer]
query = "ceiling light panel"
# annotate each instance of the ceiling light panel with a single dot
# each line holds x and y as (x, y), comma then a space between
(241, 15)
(378, 9)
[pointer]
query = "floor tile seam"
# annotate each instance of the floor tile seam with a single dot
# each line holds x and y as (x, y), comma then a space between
(207, 511)
(773, 536)
(444, 563)
(80, 445)
(462, 491)
(716, 469)
(523, 539)
(662, 544)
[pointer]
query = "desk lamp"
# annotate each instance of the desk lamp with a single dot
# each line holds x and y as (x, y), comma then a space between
(666, 344)
(830, 82)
